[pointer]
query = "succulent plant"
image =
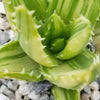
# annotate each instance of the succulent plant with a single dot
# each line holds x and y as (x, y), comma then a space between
(54, 35)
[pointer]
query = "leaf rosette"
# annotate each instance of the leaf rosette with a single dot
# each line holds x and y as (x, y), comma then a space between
(55, 33)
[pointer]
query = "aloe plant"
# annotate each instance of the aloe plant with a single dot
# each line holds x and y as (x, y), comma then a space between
(54, 34)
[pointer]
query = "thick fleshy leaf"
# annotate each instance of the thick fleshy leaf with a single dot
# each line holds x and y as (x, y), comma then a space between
(51, 8)
(75, 73)
(80, 34)
(64, 94)
(53, 30)
(30, 39)
(39, 6)
(69, 9)
(66, 9)
(14, 63)
(10, 7)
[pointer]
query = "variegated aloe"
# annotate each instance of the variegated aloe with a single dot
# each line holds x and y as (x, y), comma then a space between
(54, 34)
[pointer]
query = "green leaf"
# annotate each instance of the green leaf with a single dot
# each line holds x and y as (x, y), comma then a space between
(63, 94)
(54, 29)
(69, 9)
(30, 39)
(14, 63)
(75, 73)
(51, 8)
(57, 45)
(9, 7)
(66, 9)
(80, 34)
(39, 6)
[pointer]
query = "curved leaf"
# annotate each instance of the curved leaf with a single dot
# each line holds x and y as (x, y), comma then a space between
(30, 39)
(14, 63)
(63, 94)
(75, 73)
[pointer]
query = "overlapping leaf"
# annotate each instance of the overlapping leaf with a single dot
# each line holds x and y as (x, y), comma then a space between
(14, 63)
(55, 33)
